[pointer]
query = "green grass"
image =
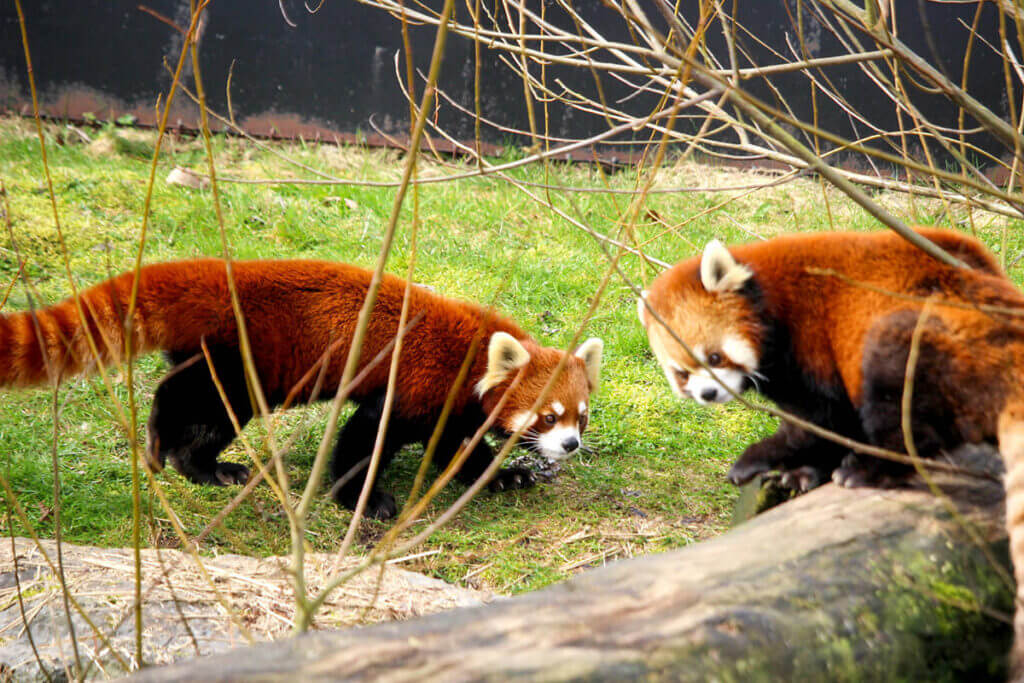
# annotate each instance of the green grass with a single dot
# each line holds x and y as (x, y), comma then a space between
(655, 477)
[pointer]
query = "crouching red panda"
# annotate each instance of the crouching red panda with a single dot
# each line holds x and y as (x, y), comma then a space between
(294, 311)
(822, 325)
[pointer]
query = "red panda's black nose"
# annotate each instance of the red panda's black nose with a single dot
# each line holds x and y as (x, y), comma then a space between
(570, 444)
(709, 394)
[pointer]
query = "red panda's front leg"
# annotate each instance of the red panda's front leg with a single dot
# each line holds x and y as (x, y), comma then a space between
(507, 478)
(352, 455)
(804, 460)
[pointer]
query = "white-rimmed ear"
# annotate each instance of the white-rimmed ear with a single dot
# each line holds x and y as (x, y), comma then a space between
(504, 355)
(641, 308)
(719, 271)
(590, 351)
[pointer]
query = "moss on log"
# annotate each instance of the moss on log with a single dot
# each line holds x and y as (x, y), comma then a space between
(836, 584)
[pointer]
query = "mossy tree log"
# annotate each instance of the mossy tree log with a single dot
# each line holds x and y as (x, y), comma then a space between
(837, 584)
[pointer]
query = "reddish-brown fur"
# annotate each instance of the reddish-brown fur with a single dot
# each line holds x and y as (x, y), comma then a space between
(827, 317)
(294, 311)
(833, 348)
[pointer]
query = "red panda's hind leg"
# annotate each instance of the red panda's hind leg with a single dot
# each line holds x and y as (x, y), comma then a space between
(189, 424)
(933, 418)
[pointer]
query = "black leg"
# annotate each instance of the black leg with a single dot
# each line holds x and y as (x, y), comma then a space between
(804, 459)
(189, 424)
(506, 478)
(352, 456)
(933, 419)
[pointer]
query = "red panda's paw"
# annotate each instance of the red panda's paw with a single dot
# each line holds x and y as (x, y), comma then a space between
(745, 469)
(228, 473)
(380, 506)
(222, 474)
(760, 457)
(802, 479)
(511, 478)
(857, 472)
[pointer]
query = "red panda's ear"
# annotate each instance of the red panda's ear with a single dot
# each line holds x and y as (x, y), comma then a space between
(504, 355)
(590, 351)
(719, 271)
(641, 308)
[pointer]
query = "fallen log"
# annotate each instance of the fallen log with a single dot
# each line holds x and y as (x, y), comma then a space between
(837, 584)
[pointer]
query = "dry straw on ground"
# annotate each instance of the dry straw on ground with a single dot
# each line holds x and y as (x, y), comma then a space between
(183, 615)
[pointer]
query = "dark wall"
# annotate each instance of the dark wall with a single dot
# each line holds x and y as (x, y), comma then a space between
(335, 69)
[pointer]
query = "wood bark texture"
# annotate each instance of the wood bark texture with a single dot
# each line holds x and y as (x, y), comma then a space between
(837, 584)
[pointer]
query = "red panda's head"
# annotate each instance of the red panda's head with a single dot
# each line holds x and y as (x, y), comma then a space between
(705, 303)
(555, 430)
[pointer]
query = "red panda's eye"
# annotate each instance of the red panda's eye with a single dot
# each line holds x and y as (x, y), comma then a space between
(715, 359)
(683, 375)
(550, 418)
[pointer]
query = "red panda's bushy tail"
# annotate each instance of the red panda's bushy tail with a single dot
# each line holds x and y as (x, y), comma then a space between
(1011, 445)
(53, 343)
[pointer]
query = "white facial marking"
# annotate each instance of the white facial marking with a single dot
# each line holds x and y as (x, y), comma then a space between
(522, 419)
(703, 388)
(670, 367)
(583, 408)
(698, 353)
(552, 444)
(740, 352)
(558, 408)
(673, 383)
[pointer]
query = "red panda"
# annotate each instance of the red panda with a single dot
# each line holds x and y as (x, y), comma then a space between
(833, 348)
(294, 311)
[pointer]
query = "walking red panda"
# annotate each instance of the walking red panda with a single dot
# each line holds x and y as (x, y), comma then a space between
(294, 311)
(833, 349)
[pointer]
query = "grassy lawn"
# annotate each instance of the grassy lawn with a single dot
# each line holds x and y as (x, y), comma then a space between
(655, 477)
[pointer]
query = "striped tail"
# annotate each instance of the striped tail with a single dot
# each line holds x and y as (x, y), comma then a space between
(51, 344)
(1011, 445)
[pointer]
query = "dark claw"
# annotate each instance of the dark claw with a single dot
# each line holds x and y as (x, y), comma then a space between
(850, 473)
(854, 473)
(228, 473)
(741, 472)
(223, 474)
(801, 479)
(512, 478)
(380, 506)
